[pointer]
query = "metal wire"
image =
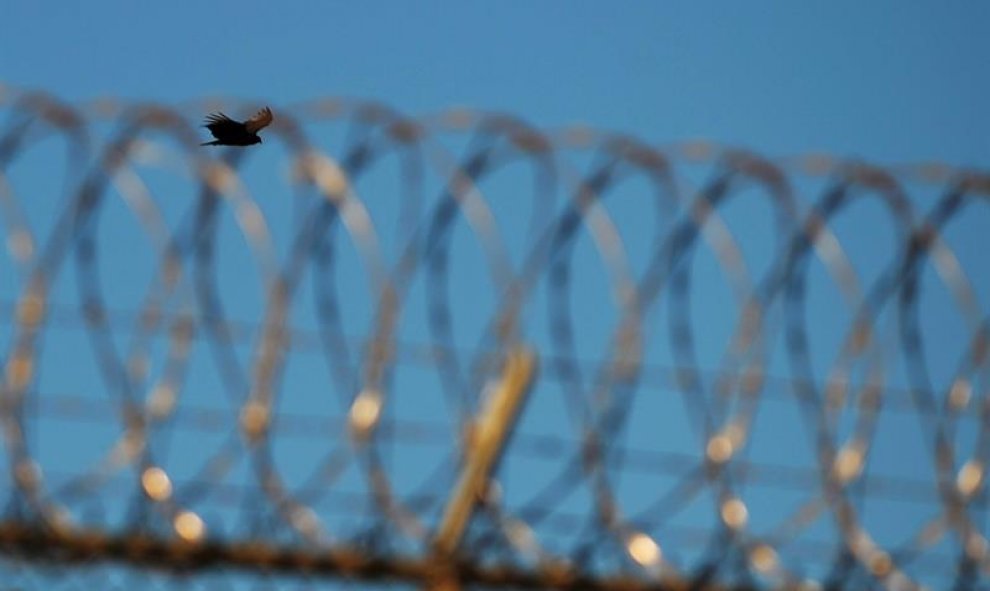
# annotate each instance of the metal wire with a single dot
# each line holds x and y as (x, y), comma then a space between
(342, 477)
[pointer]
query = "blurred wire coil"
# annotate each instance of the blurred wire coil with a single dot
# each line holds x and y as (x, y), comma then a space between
(508, 541)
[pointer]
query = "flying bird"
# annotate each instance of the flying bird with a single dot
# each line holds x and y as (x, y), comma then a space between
(235, 133)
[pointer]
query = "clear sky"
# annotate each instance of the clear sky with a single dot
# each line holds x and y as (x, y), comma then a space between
(891, 82)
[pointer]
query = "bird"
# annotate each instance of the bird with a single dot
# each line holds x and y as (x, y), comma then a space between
(235, 133)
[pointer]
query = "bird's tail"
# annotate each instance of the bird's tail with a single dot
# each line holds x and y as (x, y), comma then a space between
(213, 143)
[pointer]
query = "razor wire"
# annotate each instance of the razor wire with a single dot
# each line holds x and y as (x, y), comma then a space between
(358, 512)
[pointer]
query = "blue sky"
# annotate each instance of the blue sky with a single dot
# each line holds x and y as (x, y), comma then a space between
(890, 82)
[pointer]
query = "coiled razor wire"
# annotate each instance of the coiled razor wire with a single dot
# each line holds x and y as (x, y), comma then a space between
(379, 474)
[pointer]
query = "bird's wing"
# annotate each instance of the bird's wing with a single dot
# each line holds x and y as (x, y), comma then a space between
(221, 125)
(261, 120)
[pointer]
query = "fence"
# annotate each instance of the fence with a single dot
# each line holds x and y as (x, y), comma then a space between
(461, 350)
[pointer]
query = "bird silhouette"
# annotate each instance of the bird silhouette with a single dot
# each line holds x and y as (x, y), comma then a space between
(235, 133)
